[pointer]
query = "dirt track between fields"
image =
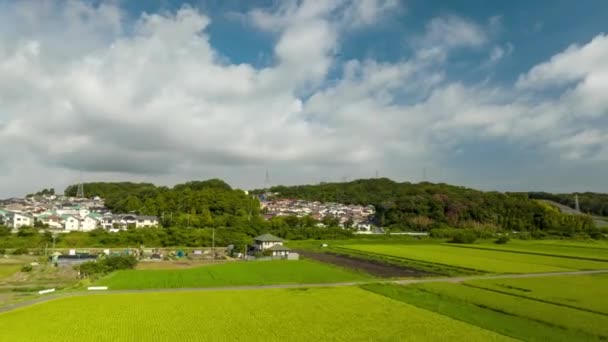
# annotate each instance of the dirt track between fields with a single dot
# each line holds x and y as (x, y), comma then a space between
(373, 267)
(293, 286)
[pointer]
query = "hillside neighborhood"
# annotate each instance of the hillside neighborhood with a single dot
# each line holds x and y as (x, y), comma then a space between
(67, 214)
(355, 216)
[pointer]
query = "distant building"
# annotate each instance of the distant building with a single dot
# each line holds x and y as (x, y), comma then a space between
(269, 242)
(16, 220)
(265, 241)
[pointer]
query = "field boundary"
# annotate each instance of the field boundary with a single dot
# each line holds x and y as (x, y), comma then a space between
(523, 252)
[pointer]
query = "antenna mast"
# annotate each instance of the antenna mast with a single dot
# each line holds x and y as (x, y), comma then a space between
(80, 192)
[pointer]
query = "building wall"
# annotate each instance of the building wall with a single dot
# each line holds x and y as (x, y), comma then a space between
(71, 224)
(88, 224)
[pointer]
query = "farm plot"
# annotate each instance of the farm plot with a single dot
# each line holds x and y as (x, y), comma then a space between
(6, 270)
(586, 292)
(233, 274)
(483, 260)
(487, 318)
(554, 249)
(327, 314)
(550, 314)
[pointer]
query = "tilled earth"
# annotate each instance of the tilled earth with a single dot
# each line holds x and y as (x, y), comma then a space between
(373, 267)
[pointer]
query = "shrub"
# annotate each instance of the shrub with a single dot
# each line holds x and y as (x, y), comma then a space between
(27, 268)
(107, 265)
(2, 251)
(502, 240)
(464, 236)
(20, 251)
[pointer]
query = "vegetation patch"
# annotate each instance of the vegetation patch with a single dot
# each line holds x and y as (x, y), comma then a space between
(495, 261)
(546, 313)
(233, 274)
(585, 292)
(509, 325)
(327, 314)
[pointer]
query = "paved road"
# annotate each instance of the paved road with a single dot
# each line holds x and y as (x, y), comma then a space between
(291, 286)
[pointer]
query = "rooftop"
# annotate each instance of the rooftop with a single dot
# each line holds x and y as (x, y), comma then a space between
(267, 238)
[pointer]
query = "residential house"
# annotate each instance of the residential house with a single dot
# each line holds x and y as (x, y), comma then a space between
(146, 221)
(265, 241)
(17, 220)
(51, 219)
(88, 223)
(279, 251)
(71, 223)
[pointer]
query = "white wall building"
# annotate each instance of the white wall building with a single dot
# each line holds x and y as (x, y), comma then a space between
(17, 220)
(71, 223)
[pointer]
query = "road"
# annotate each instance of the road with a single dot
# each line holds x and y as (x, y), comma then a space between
(47, 298)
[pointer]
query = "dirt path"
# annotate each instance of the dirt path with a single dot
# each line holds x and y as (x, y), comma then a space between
(292, 286)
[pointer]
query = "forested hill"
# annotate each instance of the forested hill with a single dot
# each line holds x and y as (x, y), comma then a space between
(589, 202)
(424, 206)
(197, 203)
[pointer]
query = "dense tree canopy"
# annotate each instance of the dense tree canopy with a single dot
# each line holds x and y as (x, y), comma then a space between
(589, 202)
(425, 206)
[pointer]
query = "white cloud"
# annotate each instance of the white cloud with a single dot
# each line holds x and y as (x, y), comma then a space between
(453, 31)
(158, 102)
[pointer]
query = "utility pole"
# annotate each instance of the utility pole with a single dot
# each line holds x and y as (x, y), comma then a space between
(213, 243)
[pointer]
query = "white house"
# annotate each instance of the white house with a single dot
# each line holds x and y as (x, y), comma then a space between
(265, 241)
(88, 223)
(51, 219)
(16, 220)
(71, 223)
(146, 221)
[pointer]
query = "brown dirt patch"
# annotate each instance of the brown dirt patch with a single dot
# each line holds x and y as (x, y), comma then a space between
(373, 267)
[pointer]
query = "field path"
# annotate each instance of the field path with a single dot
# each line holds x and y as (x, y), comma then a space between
(293, 286)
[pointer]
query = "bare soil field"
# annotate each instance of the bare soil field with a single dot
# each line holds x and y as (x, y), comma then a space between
(373, 267)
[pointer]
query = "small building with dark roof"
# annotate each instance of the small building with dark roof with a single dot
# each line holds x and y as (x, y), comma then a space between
(266, 241)
(279, 251)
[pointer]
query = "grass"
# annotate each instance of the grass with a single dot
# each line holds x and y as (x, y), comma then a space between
(587, 251)
(233, 274)
(509, 325)
(549, 314)
(327, 314)
(7, 270)
(493, 261)
(586, 292)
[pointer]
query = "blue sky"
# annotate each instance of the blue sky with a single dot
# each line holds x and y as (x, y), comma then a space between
(491, 95)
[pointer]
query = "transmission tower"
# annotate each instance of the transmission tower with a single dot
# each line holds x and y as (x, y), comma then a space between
(267, 179)
(80, 191)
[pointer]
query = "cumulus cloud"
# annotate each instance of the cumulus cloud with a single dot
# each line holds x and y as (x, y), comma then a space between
(82, 89)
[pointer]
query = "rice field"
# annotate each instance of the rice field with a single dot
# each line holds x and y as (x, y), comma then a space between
(321, 314)
(581, 251)
(6, 270)
(517, 327)
(586, 292)
(233, 274)
(556, 315)
(494, 261)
